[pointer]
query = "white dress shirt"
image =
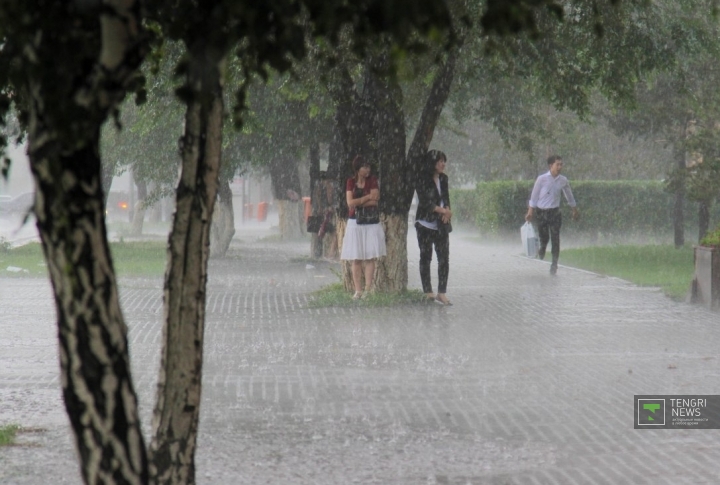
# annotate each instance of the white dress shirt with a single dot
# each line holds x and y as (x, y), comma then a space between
(547, 189)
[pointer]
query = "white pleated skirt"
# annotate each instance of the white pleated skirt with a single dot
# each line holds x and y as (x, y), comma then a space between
(366, 241)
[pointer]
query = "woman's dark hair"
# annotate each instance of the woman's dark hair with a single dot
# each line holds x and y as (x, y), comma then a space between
(432, 158)
(359, 162)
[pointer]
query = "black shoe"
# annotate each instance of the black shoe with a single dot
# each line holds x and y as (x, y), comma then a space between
(541, 255)
(553, 269)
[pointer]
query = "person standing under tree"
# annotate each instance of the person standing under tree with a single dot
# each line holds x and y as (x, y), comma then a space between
(544, 207)
(364, 239)
(432, 223)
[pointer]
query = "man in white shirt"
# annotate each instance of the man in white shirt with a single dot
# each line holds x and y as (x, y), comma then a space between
(544, 207)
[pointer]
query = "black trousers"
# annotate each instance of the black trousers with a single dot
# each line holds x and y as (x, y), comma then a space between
(549, 222)
(427, 238)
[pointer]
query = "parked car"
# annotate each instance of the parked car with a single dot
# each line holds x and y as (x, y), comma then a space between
(18, 205)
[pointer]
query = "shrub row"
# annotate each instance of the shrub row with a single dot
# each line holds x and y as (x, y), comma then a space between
(606, 207)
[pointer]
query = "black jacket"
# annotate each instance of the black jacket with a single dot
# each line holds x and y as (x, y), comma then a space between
(429, 198)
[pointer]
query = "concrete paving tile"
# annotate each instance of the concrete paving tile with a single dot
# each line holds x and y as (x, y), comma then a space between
(527, 379)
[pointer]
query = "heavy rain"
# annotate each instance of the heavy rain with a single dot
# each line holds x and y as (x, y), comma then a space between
(304, 242)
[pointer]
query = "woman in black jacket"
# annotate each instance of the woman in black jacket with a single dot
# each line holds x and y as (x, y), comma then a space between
(432, 223)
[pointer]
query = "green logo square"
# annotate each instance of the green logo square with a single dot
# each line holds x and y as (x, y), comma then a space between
(651, 412)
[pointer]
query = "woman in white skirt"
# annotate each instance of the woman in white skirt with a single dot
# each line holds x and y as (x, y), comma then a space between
(364, 239)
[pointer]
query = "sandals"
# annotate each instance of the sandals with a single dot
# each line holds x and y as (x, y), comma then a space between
(359, 295)
(442, 299)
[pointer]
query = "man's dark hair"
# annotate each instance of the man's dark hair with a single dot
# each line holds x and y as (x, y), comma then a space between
(433, 157)
(553, 158)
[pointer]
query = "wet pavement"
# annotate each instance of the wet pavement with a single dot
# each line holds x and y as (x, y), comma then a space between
(526, 379)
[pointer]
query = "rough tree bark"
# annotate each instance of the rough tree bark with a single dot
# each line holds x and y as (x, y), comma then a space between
(431, 115)
(396, 184)
(70, 211)
(136, 226)
(290, 219)
(177, 408)
(107, 174)
(223, 226)
(703, 218)
(397, 170)
(286, 189)
(679, 208)
(315, 195)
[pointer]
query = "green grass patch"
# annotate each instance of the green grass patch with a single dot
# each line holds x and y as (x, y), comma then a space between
(137, 258)
(8, 433)
(336, 295)
(27, 260)
(657, 265)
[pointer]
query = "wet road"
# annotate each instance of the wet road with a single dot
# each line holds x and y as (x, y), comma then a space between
(527, 379)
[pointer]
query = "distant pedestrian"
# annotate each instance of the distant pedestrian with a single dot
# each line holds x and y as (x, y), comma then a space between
(364, 239)
(544, 208)
(432, 223)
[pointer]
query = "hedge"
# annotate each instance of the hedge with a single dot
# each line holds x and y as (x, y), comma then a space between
(606, 207)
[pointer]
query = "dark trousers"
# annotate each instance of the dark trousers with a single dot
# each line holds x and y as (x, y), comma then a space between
(549, 222)
(427, 238)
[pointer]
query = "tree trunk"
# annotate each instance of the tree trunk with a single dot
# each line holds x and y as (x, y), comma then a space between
(396, 182)
(679, 209)
(330, 248)
(94, 362)
(703, 219)
(136, 226)
(177, 409)
(290, 215)
(317, 204)
(431, 115)
(397, 171)
(97, 387)
(346, 266)
(107, 175)
(223, 226)
(391, 273)
(285, 181)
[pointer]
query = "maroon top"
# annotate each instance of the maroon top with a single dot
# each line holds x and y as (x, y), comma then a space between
(370, 183)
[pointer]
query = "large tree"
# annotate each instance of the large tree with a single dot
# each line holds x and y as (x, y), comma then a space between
(558, 56)
(67, 66)
(679, 105)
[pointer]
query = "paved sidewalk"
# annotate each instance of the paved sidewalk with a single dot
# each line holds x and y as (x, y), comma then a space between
(527, 379)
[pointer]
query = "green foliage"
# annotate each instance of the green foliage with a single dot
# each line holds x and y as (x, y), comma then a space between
(680, 104)
(48, 58)
(559, 58)
(335, 295)
(504, 203)
(8, 433)
(712, 239)
(606, 207)
(658, 265)
(591, 149)
(464, 205)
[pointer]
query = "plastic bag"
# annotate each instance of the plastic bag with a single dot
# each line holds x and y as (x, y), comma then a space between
(529, 240)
